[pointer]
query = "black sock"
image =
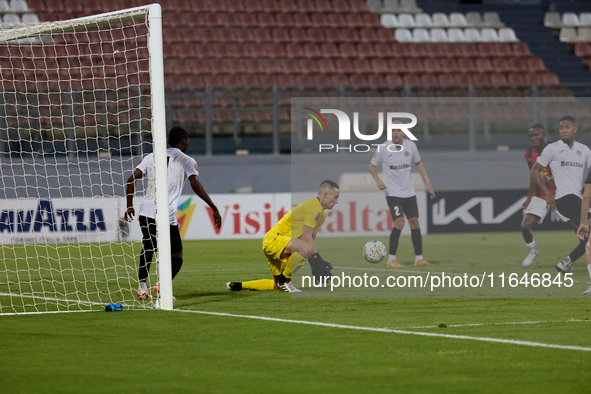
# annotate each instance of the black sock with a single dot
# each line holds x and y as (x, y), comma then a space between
(578, 251)
(394, 237)
(145, 261)
(417, 241)
(177, 263)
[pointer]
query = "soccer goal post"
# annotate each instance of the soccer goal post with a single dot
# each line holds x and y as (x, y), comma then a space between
(81, 103)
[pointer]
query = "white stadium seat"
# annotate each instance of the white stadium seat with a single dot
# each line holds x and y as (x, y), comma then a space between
(389, 20)
(19, 6)
(406, 20)
(584, 34)
(409, 6)
(391, 6)
(421, 35)
(403, 35)
(492, 19)
(506, 34)
(4, 6)
(570, 19)
(30, 18)
(457, 19)
(474, 19)
(423, 20)
(374, 5)
(439, 35)
(585, 19)
(568, 34)
(489, 35)
(472, 35)
(456, 35)
(11, 18)
(552, 19)
(440, 20)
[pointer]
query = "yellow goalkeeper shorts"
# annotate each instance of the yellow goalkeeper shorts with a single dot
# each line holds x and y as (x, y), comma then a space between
(273, 245)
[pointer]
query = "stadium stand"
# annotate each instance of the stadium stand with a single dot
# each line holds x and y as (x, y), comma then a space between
(247, 47)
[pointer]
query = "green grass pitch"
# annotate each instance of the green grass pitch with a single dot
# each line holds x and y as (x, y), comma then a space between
(157, 351)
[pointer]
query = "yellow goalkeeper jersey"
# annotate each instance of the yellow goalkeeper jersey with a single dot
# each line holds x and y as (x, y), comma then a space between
(309, 213)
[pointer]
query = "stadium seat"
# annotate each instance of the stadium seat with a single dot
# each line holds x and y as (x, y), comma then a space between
(440, 20)
(411, 79)
(309, 50)
(55, 6)
(483, 65)
(414, 65)
(446, 79)
(385, 35)
(568, 34)
(420, 35)
(389, 20)
(485, 49)
(416, 50)
(397, 66)
(374, 5)
(469, 49)
(368, 35)
(584, 34)
(391, 6)
(498, 78)
(423, 20)
(532, 78)
(400, 49)
(456, 35)
(585, 19)
(409, 6)
(385, 50)
(507, 34)
(249, 79)
(492, 19)
(517, 65)
(466, 65)
(403, 35)
(480, 79)
(429, 79)
(11, 17)
(361, 66)
(300, 20)
(30, 18)
(514, 78)
(457, 19)
(247, 20)
(303, 79)
(406, 21)
(295, 51)
(438, 35)
(280, 35)
(450, 50)
(329, 50)
(449, 65)
(489, 35)
(433, 50)
(35, 5)
(376, 79)
(393, 79)
(432, 66)
(472, 35)
(287, 6)
(348, 50)
(366, 51)
(536, 65)
(380, 66)
(464, 78)
(344, 66)
(474, 19)
(583, 49)
(552, 20)
(570, 19)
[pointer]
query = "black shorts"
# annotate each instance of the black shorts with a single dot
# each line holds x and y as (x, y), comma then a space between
(148, 226)
(403, 207)
(570, 207)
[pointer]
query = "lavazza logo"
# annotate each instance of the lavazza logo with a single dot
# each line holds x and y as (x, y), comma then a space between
(393, 120)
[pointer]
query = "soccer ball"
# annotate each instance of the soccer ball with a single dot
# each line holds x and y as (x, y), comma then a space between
(374, 252)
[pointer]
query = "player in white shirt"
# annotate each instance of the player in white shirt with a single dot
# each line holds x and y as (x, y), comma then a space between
(396, 158)
(568, 161)
(180, 168)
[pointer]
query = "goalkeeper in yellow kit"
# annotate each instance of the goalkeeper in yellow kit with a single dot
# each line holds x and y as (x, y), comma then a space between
(291, 241)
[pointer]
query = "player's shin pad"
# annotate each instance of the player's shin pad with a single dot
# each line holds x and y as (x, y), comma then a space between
(320, 269)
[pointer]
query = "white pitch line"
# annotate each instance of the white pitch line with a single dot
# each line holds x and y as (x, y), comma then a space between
(57, 299)
(395, 331)
(501, 324)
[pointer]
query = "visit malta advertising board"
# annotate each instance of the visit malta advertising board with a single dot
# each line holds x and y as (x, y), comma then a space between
(252, 215)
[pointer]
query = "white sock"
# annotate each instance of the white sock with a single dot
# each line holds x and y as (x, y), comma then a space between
(143, 285)
(418, 257)
(589, 269)
(532, 245)
(392, 257)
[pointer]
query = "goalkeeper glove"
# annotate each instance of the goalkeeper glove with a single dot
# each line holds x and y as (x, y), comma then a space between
(320, 269)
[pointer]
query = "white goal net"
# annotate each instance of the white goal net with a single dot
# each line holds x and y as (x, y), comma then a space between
(76, 116)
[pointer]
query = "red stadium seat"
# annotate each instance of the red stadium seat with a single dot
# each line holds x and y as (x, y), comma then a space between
(253, 66)
(270, 6)
(326, 66)
(469, 49)
(267, 79)
(400, 50)
(517, 64)
(416, 50)
(298, 35)
(348, 50)
(500, 65)
(291, 66)
(397, 66)
(275, 50)
(583, 49)
(365, 51)
(231, 5)
(385, 35)
(502, 49)
(368, 35)
(266, 20)
(521, 49)
(371, 20)
(212, 80)
(308, 65)
(329, 50)
(323, 6)
(447, 79)
(285, 79)
(498, 78)
(231, 80)
(376, 79)
(336, 20)
(361, 66)
(549, 78)
(207, 19)
(450, 50)
(449, 65)
(354, 20)
(466, 65)
(295, 50)
(55, 6)
(319, 20)
(36, 5)
(485, 49)
(515, 78)
(273, 66)
(339, 79)
(316, 35)
(393, 79)
(432, 66)
(480, 79)
(280, 35)
(248, 20)
(433, 50)
(358, 79)
(302, 20)
(384, 50)
(288, 6)
(464, 78)
(429, 79)
(411, 79)
(322, 79)
(284, 20)
(532, 78)
(536, 65)
(304, 79)
(306, 6)
(344, 66)
(249, 79)
(380, 66)
(261, 35)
